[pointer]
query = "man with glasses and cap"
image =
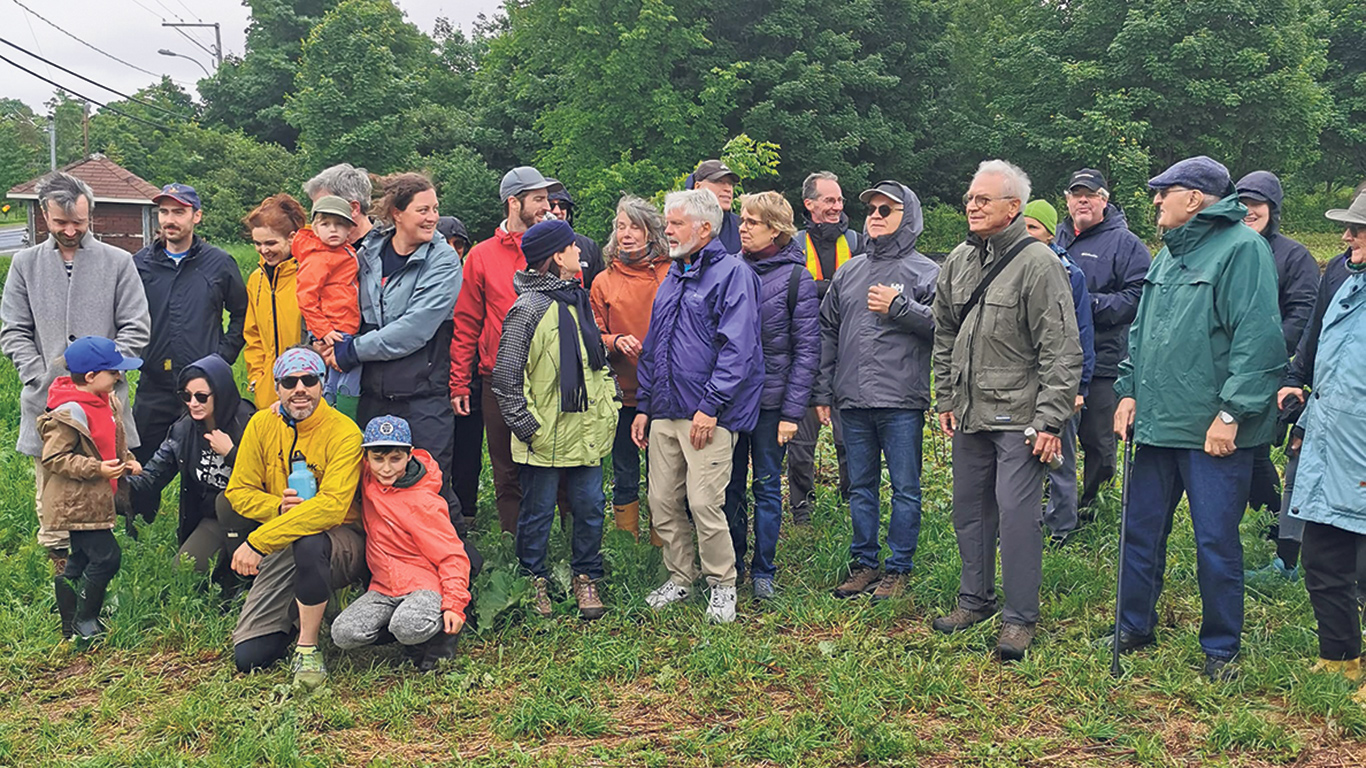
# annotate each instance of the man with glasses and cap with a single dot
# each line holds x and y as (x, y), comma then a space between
(717, 178)
(590, 255)
(877, 331)
(485, 298)
(1097, 237)
(189, 284)
(295, 475)
(1197, 391)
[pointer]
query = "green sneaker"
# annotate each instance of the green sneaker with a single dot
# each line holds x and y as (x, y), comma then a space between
(309, 670)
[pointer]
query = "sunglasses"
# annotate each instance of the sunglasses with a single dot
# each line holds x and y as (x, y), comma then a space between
(883, 210)
(1356, 229)
(290, 382)
(560, 204)
(199, 397)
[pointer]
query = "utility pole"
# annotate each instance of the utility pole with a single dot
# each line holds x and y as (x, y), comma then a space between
(52, 140)
(85, 126)
(217, 52)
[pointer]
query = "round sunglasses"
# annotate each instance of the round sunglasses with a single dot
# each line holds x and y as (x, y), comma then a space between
(199, 397)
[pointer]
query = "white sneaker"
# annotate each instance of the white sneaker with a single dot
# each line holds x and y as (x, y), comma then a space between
(666, 594)
(722, 607)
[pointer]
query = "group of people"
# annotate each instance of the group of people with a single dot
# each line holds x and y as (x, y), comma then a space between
(714, 343)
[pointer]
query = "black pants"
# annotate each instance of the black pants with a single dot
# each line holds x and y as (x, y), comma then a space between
(432, 421)
(1096, 433)
(468, 460)
(94, 555)
(1266, 481)
(155, 409)
(1330, 575)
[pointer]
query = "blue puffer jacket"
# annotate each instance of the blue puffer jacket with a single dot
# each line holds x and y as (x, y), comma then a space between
(791, 334)
(1115, 262)
(1328, 487)
(703, 351)
(1081, 302)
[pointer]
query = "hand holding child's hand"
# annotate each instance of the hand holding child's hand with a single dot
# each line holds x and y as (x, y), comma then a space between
(111, 469)
(133, 467)
(454, 622)
(332, 338)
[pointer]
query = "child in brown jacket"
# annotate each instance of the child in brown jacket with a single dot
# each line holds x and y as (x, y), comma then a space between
(84, 455)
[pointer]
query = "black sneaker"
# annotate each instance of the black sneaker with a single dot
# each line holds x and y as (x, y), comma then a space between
(1219, 670)
(1128, 641)
(1057, 541)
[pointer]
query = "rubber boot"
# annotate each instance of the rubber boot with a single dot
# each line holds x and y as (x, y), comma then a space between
(627, 518)
(437, 650)
(66, 604)
(88, 625)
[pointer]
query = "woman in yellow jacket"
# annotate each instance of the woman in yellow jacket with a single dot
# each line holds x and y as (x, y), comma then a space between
(274, 323)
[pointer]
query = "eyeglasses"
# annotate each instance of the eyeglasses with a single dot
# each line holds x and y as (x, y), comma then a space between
(832, 200)
(882, 211)
(1162, 194)
(200, 397)
(748, 221)
(982, 201)
(1082, 193)
(1356, 229)
(290, 382)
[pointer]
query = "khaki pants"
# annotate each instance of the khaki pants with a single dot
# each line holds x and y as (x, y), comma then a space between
(270, 606)
(683, 478)
(53, 540)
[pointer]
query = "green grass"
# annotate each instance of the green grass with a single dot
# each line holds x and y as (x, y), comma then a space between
(808, 681)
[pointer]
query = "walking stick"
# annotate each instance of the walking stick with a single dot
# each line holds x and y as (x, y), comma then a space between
(1115, 669)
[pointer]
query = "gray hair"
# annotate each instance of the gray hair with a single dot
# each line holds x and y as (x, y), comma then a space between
(698, 205)
(809, 186)
(1016, 180)
(644, 215)
(63, 189)
(345, 181)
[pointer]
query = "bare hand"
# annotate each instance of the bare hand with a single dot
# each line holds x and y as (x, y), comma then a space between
(453, 622)
(1078, 403)
(246, 561)
(329, 355)
(332, 338)
(1124, 417)
(461, 404)
(1046, 446)
(629, 346)
(1219, 440)
(703, 428)
(111, 469)
(289, 500)
(132, 467)
(823, 413)
(947, 423)
(219, 442)
(639, 436)
(1295, 444)
(786, 431)
(880, 298)
(1295, 392)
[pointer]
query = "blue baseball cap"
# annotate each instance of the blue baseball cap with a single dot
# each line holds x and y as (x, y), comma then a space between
(181, 193)
(89, 354)
(387, 432)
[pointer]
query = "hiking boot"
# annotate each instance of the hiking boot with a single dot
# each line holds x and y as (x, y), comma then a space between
(1348, 668)
(666, 594)
(627, 518)
(586, 595)
(763, 588)
(1271, 573)
(860, 580)
(801, 515)
(1015, 640)
(959, 619)
(1128, 641)
(721, 609)
(307, 665)
(66, 604)
(540, 599)
(1219, 670)
(889, 586)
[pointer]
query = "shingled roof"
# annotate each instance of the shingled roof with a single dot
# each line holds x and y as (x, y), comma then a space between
(111, 182)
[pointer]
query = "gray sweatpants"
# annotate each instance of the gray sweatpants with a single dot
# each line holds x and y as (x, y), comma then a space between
(998, 489)
(413, 618)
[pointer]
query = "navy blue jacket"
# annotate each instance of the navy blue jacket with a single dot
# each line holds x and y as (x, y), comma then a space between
(1301, 371)
(1086, 327)
(791, 335)
(187, 301)
(703, 351)
(1115, 262)
(730, 224)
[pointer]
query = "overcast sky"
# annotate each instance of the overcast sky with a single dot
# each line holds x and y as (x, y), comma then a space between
(131, 30)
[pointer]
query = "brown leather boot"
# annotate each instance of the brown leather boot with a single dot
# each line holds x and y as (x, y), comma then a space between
(627, 518)
(540, 598)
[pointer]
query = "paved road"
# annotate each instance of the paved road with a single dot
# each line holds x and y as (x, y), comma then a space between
(11, 238)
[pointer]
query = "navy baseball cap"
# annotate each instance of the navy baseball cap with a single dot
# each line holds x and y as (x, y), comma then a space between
(181, 193)
(1089, 178)
(387, 432)
(1199, 173)
(89, 354)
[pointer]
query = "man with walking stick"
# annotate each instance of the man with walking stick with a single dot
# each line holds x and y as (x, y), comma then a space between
(1205, 357)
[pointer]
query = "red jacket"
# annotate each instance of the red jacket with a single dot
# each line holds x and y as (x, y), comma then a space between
(486, 295)
(329, 298)
(409, 541)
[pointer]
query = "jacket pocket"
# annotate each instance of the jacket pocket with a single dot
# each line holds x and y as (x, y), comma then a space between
(1344, 473)
(1008, 395)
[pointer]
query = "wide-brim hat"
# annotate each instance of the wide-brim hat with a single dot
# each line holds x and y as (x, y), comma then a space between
(1353, 214)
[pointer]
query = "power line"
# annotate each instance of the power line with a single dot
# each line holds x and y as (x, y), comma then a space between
(58, 85)
(187, 8)
(34, 35)
(168, 9)
(101, 86)
(87, 45)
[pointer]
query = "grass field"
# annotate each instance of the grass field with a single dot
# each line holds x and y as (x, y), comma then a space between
(808, 681)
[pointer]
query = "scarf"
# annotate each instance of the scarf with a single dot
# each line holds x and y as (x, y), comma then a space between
(573, 387)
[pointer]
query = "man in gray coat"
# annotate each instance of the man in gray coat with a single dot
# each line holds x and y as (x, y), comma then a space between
(70, 285)
(1007, 364)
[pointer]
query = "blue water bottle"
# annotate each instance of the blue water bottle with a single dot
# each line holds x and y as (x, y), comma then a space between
(301, 479)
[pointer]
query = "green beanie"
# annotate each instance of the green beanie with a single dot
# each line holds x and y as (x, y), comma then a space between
(1041, 211)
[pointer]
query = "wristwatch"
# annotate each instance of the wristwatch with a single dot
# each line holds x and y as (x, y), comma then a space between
(1227, 417)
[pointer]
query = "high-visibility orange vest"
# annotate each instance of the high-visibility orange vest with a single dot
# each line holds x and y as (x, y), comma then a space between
(813, 262)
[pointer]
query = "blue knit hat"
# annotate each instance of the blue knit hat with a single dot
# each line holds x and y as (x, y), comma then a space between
(545, 239)
(1201, 173)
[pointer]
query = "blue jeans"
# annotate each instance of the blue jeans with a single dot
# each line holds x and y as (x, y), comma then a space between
(540, 486)
(762, 446)
(1217, 489)
(343, 383)
(625, 461)
(871, 434)
(1061, 514)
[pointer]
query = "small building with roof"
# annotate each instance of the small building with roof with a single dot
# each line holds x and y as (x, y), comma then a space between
(124, 214)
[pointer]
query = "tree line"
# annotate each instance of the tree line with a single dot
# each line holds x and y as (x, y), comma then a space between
(613, 95)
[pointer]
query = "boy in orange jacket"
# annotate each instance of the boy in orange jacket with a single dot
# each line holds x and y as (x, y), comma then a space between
(419, 569)
(329, 297)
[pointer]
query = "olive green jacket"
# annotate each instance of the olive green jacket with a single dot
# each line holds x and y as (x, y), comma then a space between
(1014, 361)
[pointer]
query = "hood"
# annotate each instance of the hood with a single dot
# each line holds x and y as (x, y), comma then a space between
(688, 182)
(287, 267)
(641, 266)
(226, 397)
(422, 473)
(450, 226)
(826, 232)
(788, 254)
(1265, 184)
(1220, 216)
(901, 242)
(529, 281)
(508, 239)
(63, 391)
(306, 243)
